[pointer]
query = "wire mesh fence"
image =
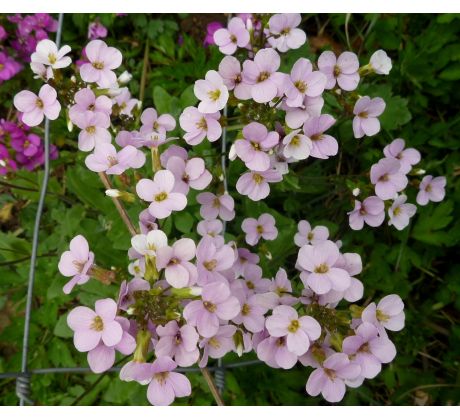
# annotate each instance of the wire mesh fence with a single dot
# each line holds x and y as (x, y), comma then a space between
(24, 376)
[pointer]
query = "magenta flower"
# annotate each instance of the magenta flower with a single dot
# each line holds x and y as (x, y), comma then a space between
(211, 28)
(159, 193)
(213, 206)
(369, 350)
(370, 211)
(320, 271)
(329, 379)
(96, 30)
(274, 352)
(218, 345)
(152, 122)
(302, 82)
(216, 304)
(47, 53)
(431, 189)
(86, 101)
(106, 159)
(389, 313)
(90, 327)
(400, 212)
(94, 129)
(252, 150)
(306, 235)
(212, 258)
(212, 93)
(261, 74)
(380, 62)
(166, 385)
(387, 178)
(28, 146)
(254, 184)
(296, 145)
(189, 174)
(323, 145)
(102, 60)
(210, 227)
(366, 111)
(8, 67)
(198, 126)
(126, 293)
(342, 70)
(263, 227)
(407, 157)
(286, 34)
(234, 36)
(299, 332)
(177, 342)
(35, 108)
(230, 71)
(76, 263)
(175, 260)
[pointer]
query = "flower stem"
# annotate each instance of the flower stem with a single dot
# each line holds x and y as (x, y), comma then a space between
(121, 210)
(212, 386)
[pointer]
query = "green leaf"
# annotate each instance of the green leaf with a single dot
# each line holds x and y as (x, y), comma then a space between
(451, 73)
(62, 329)
(162, 100)
(188, 98)
(184, 222)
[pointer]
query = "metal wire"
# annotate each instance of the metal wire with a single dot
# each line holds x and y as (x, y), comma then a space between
(23, 381)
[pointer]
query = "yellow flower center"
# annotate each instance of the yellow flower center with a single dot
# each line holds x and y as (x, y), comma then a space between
(260, 229)
(98, 65)
(98, 324)
(301, 86)
(161, 197)
(263, 76)
(39, 103)
(322, 268)
(210, 265)
(209, 306)
(258, 179)
(91, 129)
(161, 377)
(52, 58)
(246, 310)
(214, 95)
(294, 326)
(337, 71)
(202, 125)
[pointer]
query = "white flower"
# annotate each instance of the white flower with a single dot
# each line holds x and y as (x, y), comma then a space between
(47, 53)
(41, 71)
(297, 146)
(150, 243)
(380, 62)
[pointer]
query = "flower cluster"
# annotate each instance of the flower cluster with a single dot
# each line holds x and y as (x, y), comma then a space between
(185, 301)
(389, 178)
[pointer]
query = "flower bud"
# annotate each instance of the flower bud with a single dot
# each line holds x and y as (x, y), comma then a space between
(356, 192)
(124, 77)
(122, 195)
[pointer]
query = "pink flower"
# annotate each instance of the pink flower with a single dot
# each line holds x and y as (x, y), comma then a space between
(366, 111)
(198, 126)
(282, 287)
(210, 227)
(263, 227)
(189, 174)
(252, 150)
(286, 34)
(302, 82)
(261, 74)
(152, 122)
(252, 314)
(407, 157)
(343, 70)
(400, 212)
(218, 345)
(380, 62)
(306, 235)
(148, 244)
(389, 313)
(324, 145)
(159, 193)
(211, 28)
(177, 342)
(328, 380)
(369, 350)
(106, 159)
(213, 206)
(431, 189)
(171, 151)
(125, 296)
(296, 117)
(320, 271)
(96, 30)
(86, 101)
(212, 92)
(230, 71)
(94, 131)
(102, 60)
(166, 385)
(90, 327)
(299, 332)
(234, 36)
(76, 263)
(212, 258)
(35, 108)
(254, 184)
(274, 352)
(216, 304)
(47, 53)
(125, 102)
(175, 260)
(387, 178)
(296, 145)
(370, 211)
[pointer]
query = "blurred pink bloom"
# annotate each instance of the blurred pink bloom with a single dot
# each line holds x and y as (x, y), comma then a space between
(431, 189)
(407, 157)
(366, 110)
(286, 34)
(234, 36)
(387, 177)
(307, 235)
(230, 71)
(263, 227)
(86, 101)
(343, 70)
(254, 184)
(211, 28)
(370, 211)
(213, 206)
(198, 126)
(151, 121)
(96, 30)
(389, 313)
(94, 129)
(400, 212)
(105, 158)
(212, 92)
(323, 145)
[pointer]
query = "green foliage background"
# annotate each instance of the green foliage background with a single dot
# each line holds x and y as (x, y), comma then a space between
(420, 263)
